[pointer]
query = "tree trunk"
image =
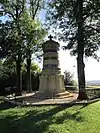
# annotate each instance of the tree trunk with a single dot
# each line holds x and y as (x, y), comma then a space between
(19, 80)
(29, 87)
(19, 59)
(81, 78)
(80, 50)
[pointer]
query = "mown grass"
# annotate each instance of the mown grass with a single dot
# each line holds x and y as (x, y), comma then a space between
(93, 87)
(50, 119)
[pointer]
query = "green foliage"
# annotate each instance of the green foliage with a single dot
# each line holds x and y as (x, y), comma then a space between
(35, 68)
(14, 10)
(24, 35)
(78, 21)
(33, 35)
(50, 119)
(8, 76)
(64, 15)
(69, 81)
(4, 31)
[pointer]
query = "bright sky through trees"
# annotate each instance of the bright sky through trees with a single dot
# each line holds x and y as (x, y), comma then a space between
(67, 62)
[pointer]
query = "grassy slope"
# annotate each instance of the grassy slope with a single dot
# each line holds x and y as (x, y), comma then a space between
(50, 119)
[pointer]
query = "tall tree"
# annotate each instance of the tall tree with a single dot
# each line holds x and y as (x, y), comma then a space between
(78, 21)
(26, 34)
(14, 10)
(80, 50)
(33, 37)
(34, 8)
(4, 31)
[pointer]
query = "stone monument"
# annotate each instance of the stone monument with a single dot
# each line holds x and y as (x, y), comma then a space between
(51, 80)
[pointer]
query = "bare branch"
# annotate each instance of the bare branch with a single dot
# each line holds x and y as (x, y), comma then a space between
(23, 7)
(97, 30)
(35, 12)
(90, 14)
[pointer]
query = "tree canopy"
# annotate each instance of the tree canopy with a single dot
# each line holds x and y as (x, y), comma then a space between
(64, 16)
(24, 34)
(78, 21)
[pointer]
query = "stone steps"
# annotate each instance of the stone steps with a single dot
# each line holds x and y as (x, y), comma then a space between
(47, 95)
(65, 96)
(62, 93)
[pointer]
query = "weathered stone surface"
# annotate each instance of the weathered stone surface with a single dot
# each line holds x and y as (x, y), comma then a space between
(51, 84)
(51, 80)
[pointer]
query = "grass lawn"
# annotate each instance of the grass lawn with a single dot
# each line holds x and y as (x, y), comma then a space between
(93, 87)
(50, 119)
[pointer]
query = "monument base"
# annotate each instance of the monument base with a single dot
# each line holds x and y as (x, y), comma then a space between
(51, 95)
(51, 84)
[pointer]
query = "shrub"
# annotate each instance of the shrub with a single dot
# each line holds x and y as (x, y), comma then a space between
(69, 81)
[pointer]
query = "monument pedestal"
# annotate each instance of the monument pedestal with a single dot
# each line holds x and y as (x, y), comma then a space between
(51, 84)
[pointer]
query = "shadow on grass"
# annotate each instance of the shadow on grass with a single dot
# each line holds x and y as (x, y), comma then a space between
(5, 105)
(69, 116)
(37, 122)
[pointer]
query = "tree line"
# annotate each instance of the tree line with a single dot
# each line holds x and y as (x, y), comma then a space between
(21, 35)
(8, 77)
